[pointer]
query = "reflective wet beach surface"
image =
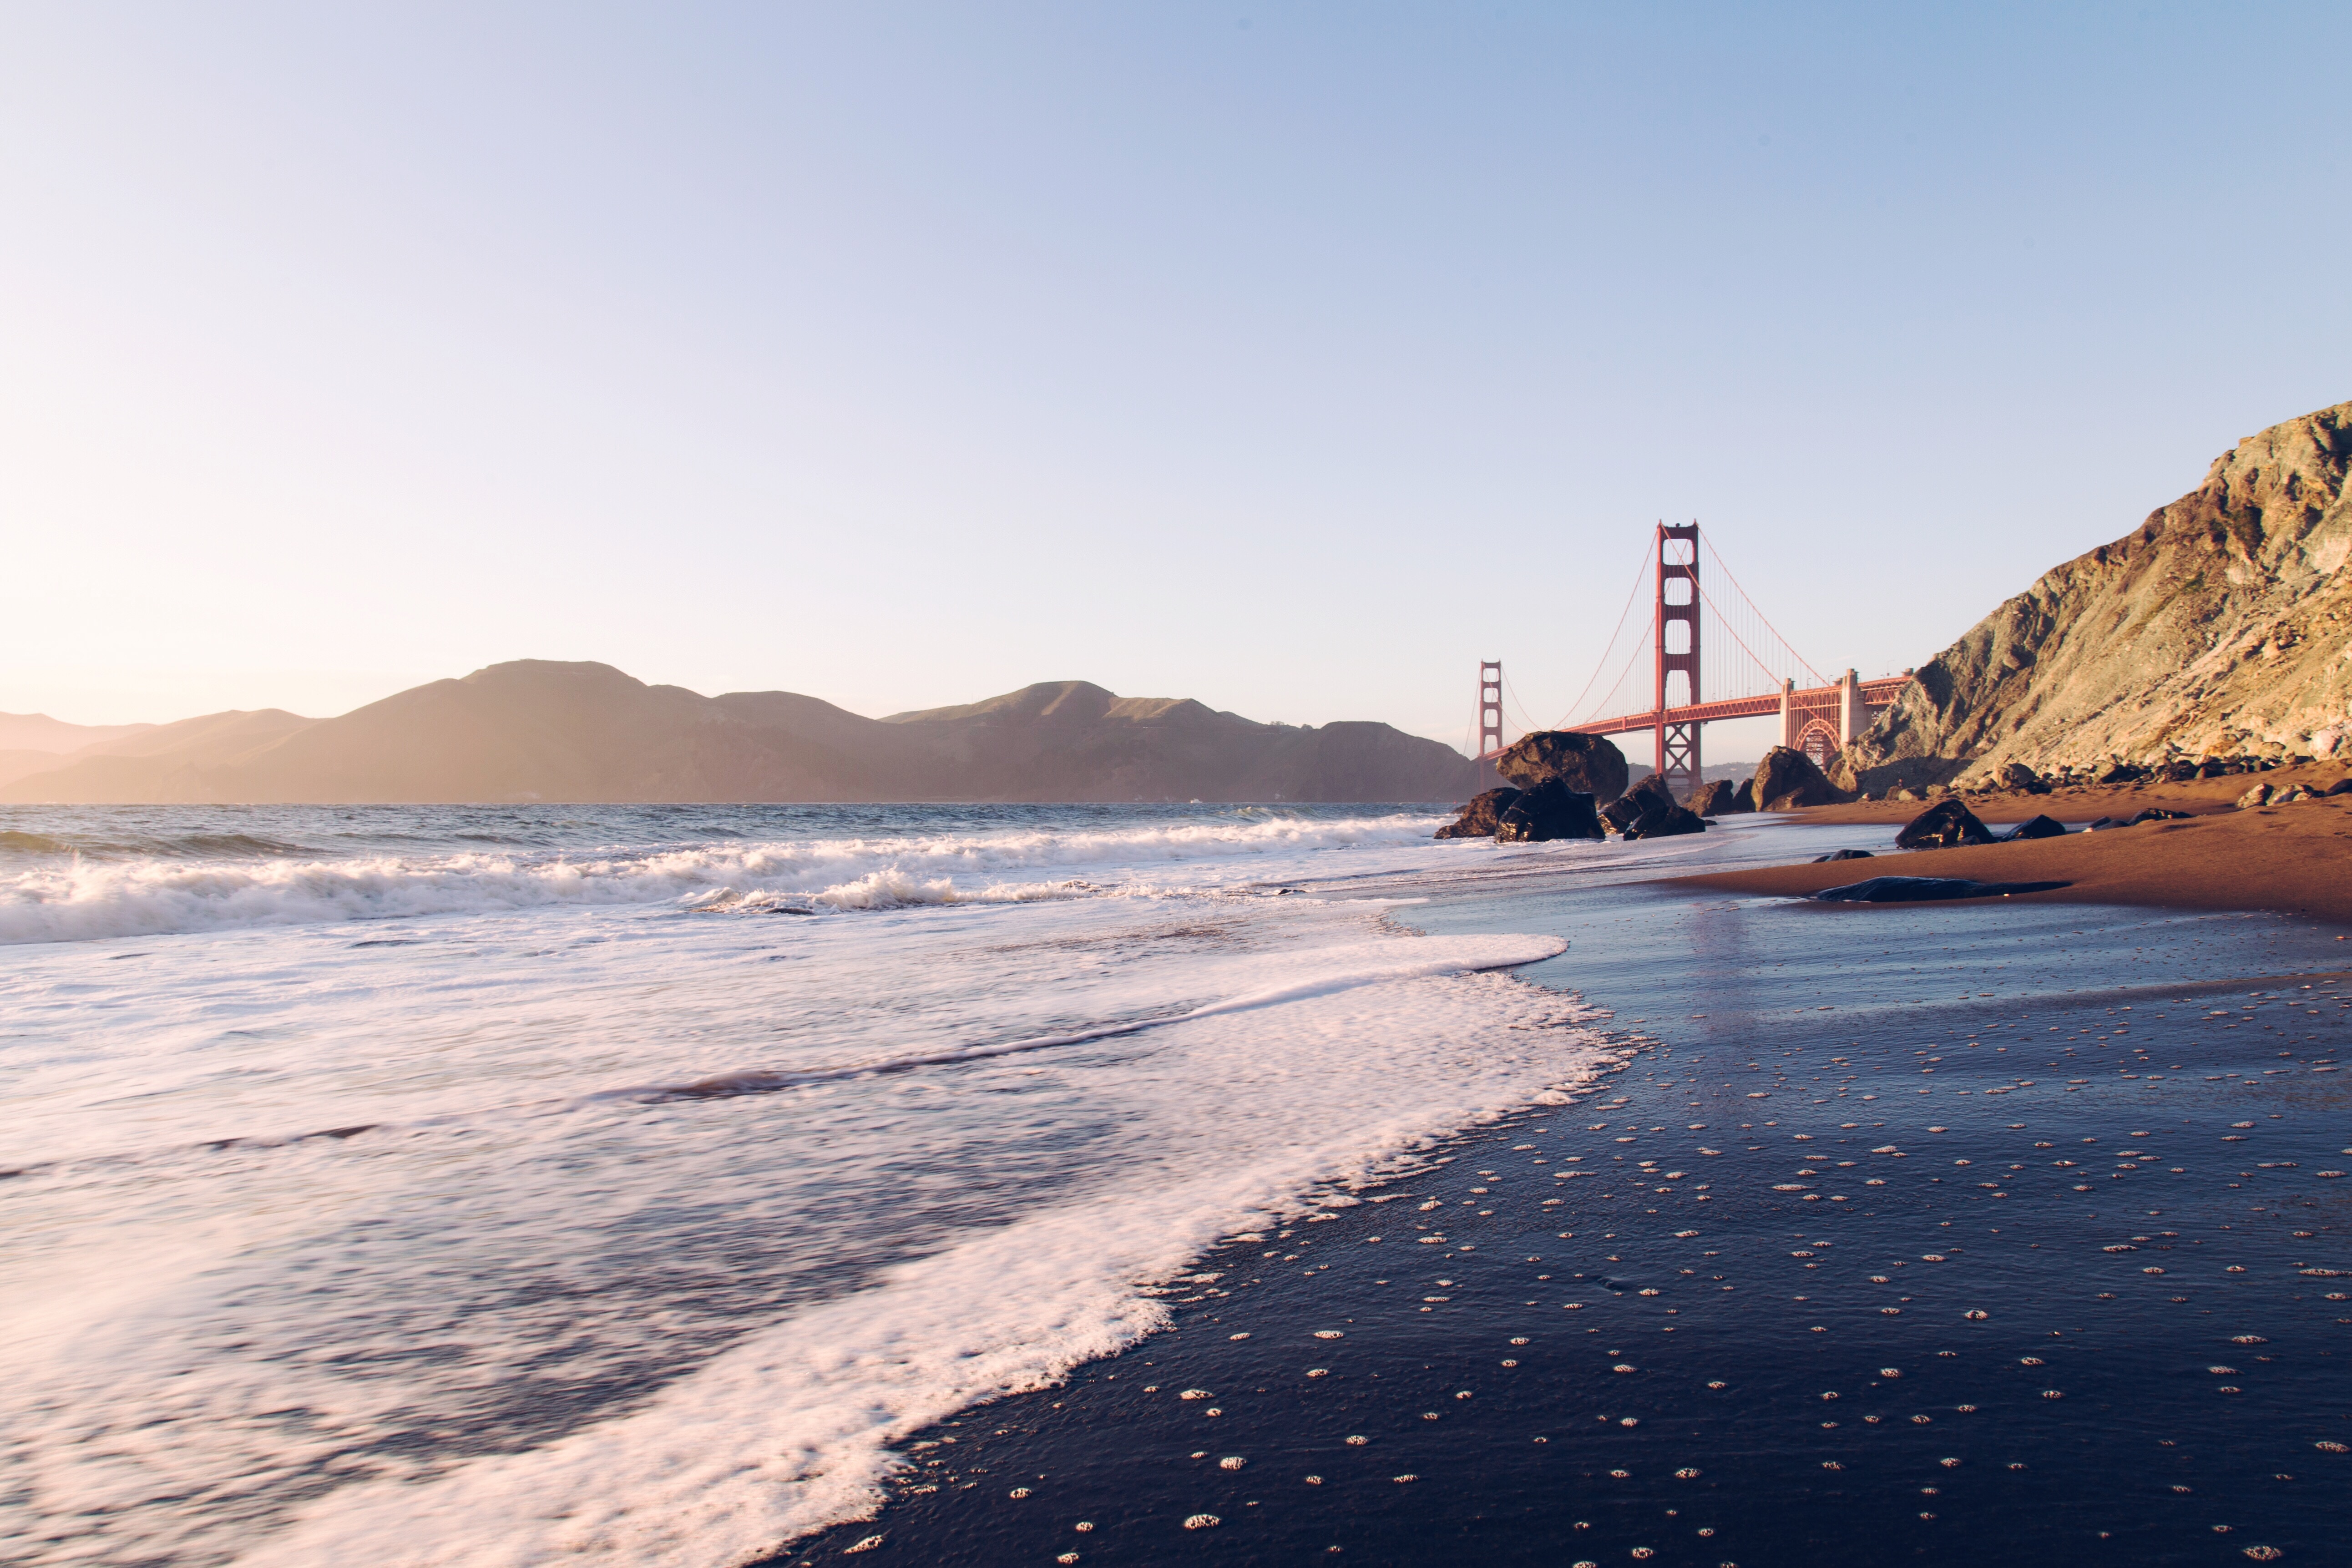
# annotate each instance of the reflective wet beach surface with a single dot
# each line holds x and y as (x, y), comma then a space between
(1955, 1234)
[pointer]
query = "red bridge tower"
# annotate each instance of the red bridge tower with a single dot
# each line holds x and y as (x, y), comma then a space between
(1677, 624)
(1490, 708)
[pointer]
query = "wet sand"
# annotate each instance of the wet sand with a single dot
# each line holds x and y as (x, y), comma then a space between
(1962, 1234)
(2293, 859)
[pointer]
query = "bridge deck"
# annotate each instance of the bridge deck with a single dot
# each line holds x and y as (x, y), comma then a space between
(1879, 693)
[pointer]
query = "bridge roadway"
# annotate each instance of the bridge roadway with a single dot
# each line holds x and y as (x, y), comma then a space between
(1817, 719)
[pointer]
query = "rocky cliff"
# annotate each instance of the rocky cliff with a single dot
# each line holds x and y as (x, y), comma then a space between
(2222, 626)
(537, 729)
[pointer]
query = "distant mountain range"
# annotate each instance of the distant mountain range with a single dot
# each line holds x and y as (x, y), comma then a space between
(535, 729)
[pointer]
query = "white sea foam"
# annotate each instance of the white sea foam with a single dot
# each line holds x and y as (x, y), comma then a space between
(64, 899)
(549, 1309)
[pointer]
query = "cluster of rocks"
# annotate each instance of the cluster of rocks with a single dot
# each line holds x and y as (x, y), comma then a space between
(2272, 794)
(2016, 778)
(1564, 784)
(1949, 824)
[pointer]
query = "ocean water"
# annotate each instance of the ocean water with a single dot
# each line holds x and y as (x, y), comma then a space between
(495, 1185)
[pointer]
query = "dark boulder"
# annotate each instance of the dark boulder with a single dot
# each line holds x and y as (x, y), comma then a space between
(1843, 855)
(1623, 812)
(1941, 827)
(1665, 821)
(1653, 787)
(2341, 786)
(1482, 816)
(1716, 799)
(1548, 811)
(1921, 889)
(1744, 798)
(1587, 762)
(2018, 776)
(1787, 780)
(2035, 827)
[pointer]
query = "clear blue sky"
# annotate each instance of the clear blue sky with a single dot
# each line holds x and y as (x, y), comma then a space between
(1291, 357)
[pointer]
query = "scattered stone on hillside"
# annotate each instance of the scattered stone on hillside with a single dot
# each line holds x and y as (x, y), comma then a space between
(1589, 763)
(1549, 810)
(1665, 821)
(2258, 795)
(1920, 889)
(1787, 780)
(1943, 826)
(2018, 776)
(1482, 816)
(2211, 635)
(2035, 827)
(1843, 855)
(1716, 799)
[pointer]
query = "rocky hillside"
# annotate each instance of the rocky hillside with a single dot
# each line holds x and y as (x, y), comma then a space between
(2222, 626)
(535, 729)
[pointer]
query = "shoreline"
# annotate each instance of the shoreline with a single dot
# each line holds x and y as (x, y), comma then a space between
(2087, 802)
(2286, 860)
(1743, 1354)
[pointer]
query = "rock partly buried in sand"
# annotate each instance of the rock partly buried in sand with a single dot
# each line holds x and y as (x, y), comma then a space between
(1548, 811)
(1787, 780)
(1665, 821)
(1941, 827)
(1843, 855)
(1587, 762)
(1717, 799)
(1482, 816)
(2035, 827)
(2151, 815)
(1923, 889)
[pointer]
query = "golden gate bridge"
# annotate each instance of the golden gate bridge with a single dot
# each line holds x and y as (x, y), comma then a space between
(1691, 680)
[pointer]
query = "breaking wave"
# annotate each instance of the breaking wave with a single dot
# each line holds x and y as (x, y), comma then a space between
(67, 896)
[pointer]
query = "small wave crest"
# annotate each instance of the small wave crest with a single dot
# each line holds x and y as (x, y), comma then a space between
(83, 897)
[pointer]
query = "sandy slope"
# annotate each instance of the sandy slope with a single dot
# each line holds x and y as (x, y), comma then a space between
(2295, 860)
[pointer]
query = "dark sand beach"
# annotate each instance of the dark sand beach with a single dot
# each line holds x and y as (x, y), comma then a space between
(1964, 1232)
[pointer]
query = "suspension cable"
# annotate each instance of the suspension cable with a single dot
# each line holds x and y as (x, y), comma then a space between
(1602, 663)
(1802, 661)
(1732, 632)
(1622, 674)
